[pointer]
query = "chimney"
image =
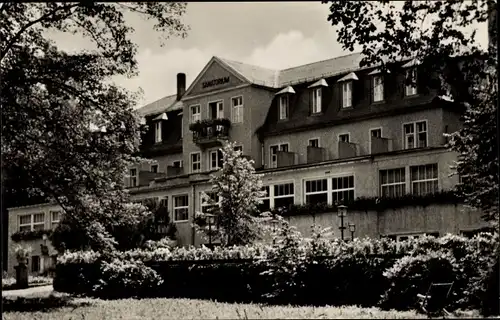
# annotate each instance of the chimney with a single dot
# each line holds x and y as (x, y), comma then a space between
(181, 85)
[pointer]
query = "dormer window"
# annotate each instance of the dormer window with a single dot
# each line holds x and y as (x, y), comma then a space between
(316, 100)
(316, 93)
(158, 131)
(378, 88)
(284, 102)
(283, 106)
(411, 82)
(346, 85)
(347, 94)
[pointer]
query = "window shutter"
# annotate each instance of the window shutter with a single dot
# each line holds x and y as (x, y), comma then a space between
(372, 88)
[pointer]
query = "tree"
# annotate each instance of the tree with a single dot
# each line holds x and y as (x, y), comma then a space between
(239, 191)
(435, 33)
(67, 129)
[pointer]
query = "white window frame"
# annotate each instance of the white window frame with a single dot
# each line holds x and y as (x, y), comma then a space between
(158, 128)
(344, 134)
(177, 161)
(346, 87)
(133, 177)
(219, 109)
(55, 222)
(343, 189)
(174, 208)
(237, 114)
(272, 195)
(370, 137)
(274, 164)
(40, 261)
(316, 100)
(154, 165)
(268, 195)
(195, 116)
(284, 108)
(411, 89)
(239, 147)
(327, 191)
(329, 186)
(312, 139)
(191, 162)
(32, 222)
(216, 151)
(393, 183)
(412, 182)
(415, 134)
(378, 89)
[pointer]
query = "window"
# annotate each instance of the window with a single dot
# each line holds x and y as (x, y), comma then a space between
(392, 182)
(411, 82)
(314, 143)
(215, 159)
(158, 131)
(415, 135)
(342, 189)
(133, 177)
(164, 202)
(35, 263)
(347, 94)
(196, 162)
(216, 110)
(283, 105)
(344, 137)
(266, 200)
(274, 153)
(55, 217)
(207, 206)
(181, 208)
(195, 113)
(283, 195)
(316, 100)
(316, 191)
(424, 179)
(404, 237)
(376, 133)
(239, 148)
(378, 88)
(154, 168)
(237, 103)
(177, 164)
(31, 222)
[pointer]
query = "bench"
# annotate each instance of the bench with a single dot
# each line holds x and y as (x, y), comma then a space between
(435, 301)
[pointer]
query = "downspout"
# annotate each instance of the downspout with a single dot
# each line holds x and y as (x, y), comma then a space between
(193, 231)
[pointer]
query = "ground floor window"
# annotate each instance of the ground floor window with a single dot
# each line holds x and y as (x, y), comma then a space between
(331, 190)
(392, 182)
(278, 196)
(424, 179)
(181, 208)
(316, 191)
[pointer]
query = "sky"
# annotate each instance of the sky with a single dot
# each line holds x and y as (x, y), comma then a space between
(276, 35)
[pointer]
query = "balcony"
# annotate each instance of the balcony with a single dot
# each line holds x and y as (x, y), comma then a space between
(347, 150)
(315, 154)
(173, 171)
(380, 145)
(285, 159)
(210, 133)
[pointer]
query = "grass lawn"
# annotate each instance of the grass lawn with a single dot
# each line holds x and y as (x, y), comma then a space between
(200, 309)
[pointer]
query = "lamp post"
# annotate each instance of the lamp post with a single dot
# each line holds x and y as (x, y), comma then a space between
(210, 218)
(352, 228)
(342, 213)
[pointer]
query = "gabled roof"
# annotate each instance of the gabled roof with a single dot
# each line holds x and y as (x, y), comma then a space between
(319, 83)
(350, 76)
(288, 89)
(254, 74)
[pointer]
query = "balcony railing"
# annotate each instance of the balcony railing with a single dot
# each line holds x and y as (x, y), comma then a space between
(208, 133)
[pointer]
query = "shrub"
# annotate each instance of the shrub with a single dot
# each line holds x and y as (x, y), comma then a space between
(126, 278)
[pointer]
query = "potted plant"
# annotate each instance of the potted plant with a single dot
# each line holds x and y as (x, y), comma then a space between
(22, 254)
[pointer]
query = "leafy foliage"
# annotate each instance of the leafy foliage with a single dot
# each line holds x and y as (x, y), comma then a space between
(239, 190)
(434, 33)
(29, 235)
(68, 132)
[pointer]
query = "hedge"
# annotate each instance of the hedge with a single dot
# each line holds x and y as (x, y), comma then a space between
(293, 272)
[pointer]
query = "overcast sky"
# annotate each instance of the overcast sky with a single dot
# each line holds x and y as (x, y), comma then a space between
(269, 34)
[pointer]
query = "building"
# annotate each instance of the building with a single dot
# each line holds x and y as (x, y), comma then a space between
(320, 133)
